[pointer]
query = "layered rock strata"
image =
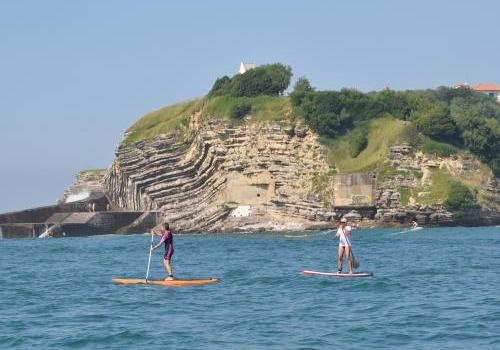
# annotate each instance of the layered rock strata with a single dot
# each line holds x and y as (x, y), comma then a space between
(247, 177)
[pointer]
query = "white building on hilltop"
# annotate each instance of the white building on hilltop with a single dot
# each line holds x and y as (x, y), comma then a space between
(489, 89)
(245, 67)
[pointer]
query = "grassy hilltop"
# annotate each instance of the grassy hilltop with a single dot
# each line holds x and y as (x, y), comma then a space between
(356, 127)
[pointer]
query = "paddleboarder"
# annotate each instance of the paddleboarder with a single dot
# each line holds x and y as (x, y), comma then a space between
(168, 240)
(344, 236)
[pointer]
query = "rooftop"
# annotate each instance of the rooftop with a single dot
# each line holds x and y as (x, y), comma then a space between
(486, 87)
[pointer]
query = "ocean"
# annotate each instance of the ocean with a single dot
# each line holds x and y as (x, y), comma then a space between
(434, 288)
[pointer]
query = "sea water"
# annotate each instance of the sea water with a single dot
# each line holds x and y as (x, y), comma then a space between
(431, 289)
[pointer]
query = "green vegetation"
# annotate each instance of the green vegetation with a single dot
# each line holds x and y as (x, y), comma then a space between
(436, 122)
(439, 149)
(358, 127)
(460, 117)
(264, 108)
(90, 174)
(404, 195)
(300, 89)
(270, 80)
(382, 133)
(460, 198)
(358, 140)
(387, 171)
(320, 185)
(438, 192)
(238, 111)
(162, 121)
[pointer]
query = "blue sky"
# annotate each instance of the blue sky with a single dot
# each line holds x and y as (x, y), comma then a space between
(75, 74)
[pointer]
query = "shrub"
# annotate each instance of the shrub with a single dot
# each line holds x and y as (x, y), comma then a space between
(394, 102)
(481, 139)
(495, 166)
(271, 79)
(439, 149)
(322, 111)
(436, 122)
(460, 198)
(301, 87)
(222, 86)
(240, 110)
(405, 194)
(358, 141)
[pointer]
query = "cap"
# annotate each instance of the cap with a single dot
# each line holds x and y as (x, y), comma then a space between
(343, 220)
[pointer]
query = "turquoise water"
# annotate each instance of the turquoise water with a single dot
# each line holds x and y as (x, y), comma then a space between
(432, 289)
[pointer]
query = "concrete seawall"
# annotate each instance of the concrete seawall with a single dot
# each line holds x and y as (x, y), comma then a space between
(52, 223)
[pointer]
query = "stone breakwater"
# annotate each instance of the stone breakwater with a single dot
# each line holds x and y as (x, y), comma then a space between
(247, 177)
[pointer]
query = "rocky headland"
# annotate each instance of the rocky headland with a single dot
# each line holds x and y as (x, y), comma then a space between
(251, 175)
(246, 158)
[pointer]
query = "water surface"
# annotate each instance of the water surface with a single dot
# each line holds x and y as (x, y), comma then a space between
(432, 289)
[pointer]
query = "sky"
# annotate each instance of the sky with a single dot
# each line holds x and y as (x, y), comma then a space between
(75, 74)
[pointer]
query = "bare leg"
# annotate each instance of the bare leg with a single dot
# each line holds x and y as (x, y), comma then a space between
(348, 255)
(168, 267)
(339, 262)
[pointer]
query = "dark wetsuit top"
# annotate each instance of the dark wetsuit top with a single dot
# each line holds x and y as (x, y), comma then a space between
(168, 239)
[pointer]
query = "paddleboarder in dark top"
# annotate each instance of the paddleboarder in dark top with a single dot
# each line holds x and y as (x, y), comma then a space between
(167, 239)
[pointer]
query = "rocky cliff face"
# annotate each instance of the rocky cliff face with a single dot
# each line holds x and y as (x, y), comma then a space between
(412, 173)
(247, 177)
(269, 176)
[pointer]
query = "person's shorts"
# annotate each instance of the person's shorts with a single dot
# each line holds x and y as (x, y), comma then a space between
(168, 255)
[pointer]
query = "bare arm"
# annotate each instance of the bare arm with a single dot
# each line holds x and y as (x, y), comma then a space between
(163, 238)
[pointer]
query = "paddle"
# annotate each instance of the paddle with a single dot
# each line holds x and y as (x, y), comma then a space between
(149, 260)
(354, 260)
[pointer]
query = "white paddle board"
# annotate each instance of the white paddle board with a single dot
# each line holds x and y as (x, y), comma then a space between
(335, 274)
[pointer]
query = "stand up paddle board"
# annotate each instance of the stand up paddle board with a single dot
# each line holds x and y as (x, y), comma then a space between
(335, 274)
(295, 236)
(173, 283)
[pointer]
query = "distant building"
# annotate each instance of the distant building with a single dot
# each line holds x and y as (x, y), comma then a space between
(462, 84)
(245, 67)
(489, 89)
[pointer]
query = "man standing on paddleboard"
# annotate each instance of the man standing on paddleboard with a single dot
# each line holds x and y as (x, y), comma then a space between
(168, 239)
(344, 235)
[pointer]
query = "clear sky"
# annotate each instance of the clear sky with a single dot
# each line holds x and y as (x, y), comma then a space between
(75, 74)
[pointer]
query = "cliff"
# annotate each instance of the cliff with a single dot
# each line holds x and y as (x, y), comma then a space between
(225, 177)
(216, 174)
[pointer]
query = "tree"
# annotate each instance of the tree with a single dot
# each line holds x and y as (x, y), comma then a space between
(395, 103)
(436, 123)
(322, 111)
(222, 86)
(271, 79)
(460, 198)
(300, 89)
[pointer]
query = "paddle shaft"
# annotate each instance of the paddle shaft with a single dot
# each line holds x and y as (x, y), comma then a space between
(149, 259)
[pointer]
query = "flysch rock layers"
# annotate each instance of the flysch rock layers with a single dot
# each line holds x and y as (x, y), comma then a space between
(252, 176)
